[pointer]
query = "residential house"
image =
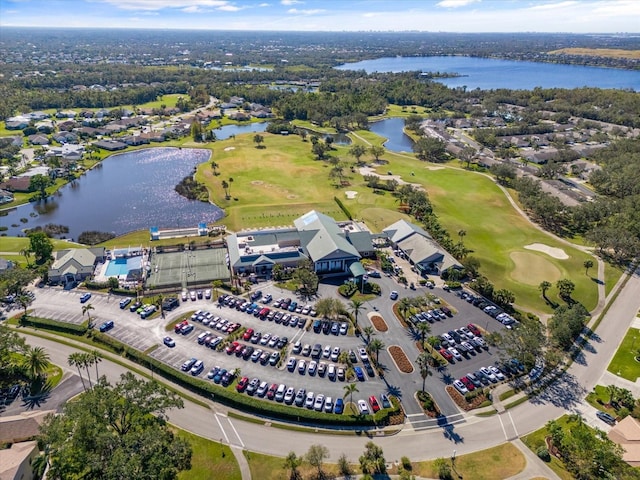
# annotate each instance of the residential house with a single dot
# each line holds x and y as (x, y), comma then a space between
(16, 184)
(5, 264)
(626, 433)
(419, 248)
(65, 137)
(66, 114)
(38, 139)
(110, 145)
(75, 264)
(19, 431)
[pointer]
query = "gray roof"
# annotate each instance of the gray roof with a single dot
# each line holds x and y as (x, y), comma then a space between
(74, 260)
(402, 229)
(423, 250)
(322, 238)
(361, 241)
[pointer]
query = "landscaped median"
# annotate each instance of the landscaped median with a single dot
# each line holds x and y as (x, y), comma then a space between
(378, 322)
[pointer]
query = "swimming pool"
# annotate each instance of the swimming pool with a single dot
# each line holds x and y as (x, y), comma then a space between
(122, 266)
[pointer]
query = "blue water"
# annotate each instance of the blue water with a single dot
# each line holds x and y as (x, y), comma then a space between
(222, 133)
(392, 130)
(122, 266)
(488, 74)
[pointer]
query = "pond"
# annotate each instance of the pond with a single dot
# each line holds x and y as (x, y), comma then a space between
(392, 129)
(126, 192)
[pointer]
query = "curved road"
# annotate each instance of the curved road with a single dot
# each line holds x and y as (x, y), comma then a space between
(475, 434)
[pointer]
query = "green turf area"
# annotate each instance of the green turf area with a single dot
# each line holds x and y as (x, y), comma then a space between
(494, 463)
(210, 460)
(15, 244)
(612, 274)
(624, 362)
(599, 399)
(268, 467)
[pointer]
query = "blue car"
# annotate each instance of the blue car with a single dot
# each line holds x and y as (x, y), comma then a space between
(339, 406)
(359, 373)
(106, 326)
(85, 297)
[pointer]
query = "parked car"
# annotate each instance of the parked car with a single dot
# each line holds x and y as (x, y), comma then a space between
(289, 395)
(197, 368)
(85, 297)
(213, 372)
(169, 342)
(124, 302)
(106, 326)
(605, 417)
(373, 401)
(300, 396)
(280, 392)
(242, 384)
(359, 373)
(339, 407)
(186, 366)
(271, 392)
(135, 306)
(319, 403)
(460, 387)
(262, 389)
(363, 408)
(308, 401)
(386, 403)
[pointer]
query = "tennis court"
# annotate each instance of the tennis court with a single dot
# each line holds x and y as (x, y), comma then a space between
(189, 268)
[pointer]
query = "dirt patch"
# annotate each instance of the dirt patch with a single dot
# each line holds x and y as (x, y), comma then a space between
(400, 359)
(351, 194)
(554, 252)
(378, 322)
(257, 182)
(228, 149)
(291, 197)
(462, 402)
(531, 269)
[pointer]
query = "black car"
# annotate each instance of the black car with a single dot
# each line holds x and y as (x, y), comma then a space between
(170, 303)
(135, 306)
(106, 326)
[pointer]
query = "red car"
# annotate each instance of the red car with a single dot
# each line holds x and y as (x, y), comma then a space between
(446, 354)
(231, 348)
(247, 334)
(475, 330)
(272, 391)
(179, 326)
(373, 401)
(468, 383)
(242, 384)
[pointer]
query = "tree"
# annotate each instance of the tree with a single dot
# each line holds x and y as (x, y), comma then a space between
(76, 360)
(216, 284)
(424, 363)
(86, 310)
(214, 167)
(424, 329)
(316, 457)
(40, 183)
(36, 361)
(307, 278)
(504, 297)
(543, 287)
(526, 343)
(404, 307)
(368, 332)
(117, 431)
(357, 151)
(349, 390)
(344, 467)
(612, 390)
(24, 300)
(225, 187)
(41, 246)
(96, 358)
(258, 140)
(26, 253)
(355, 306)
(292, 462)
(565, 288)
(443, 468)
(375, 346)
(431, 149)
(468, 154)
(377, 151)
(319, 149)
(587, 265)
(504, 172)
(372, 460)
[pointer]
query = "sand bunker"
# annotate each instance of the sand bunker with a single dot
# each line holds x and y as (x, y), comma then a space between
(531, 269)
(351, 194)
(229, 148)
(256, 182)
(435, 168)
(551, 251)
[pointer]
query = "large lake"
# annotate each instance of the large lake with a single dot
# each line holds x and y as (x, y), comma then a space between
(487, 74)
(129, 191)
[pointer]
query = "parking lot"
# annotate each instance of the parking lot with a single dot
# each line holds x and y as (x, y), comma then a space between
(142, 334)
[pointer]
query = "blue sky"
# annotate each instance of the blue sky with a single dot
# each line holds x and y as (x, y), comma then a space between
(579, 16)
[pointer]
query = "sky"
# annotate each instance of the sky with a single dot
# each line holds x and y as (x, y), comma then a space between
(574, 16)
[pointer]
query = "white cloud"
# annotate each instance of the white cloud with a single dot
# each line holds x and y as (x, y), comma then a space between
(264, 5)
(455, 3)
(290, 2)
(229, 8)
(306, 12)
(553, 6)
(162, 4)
(371, 14)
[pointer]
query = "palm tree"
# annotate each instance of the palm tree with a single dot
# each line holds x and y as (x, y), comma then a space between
(424, 329)
(613, 391)
(26, 253)
(214, 166)
(349, 390)
(96, 358)
(344, 358)
(587, 265)
(87, 361)
(326, 307)
(461, 234)
(375, 346)
(225, 187)
(292, 462)
(368, 332)
(544, 286)
(75, 360)
(355, 306)
(86, 309)
(424, 362)
(216, 284)
(404, 306)
(36, 361)
(159, 300)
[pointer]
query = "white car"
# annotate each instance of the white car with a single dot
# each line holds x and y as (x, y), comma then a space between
(460, 387)
(308, 402)
(297, 347)
(313, 367)
(363, 354)
(302, 366)
(328, 405)
(393, 295)
(262, 389)
(489, 374)
(335, 353)
(343, 328)
(289, 395)
(327, 351)
(319, 403)
(363, 407)
(455, 353)
(499, 375)
(265, 339)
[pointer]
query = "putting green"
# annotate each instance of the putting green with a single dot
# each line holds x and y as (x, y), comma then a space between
(532, 269)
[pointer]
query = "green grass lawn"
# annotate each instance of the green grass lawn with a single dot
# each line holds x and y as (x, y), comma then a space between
(624, 363)
(599, 398)
(15, 244)
(612, 274)
(268, 467)
(535, 440)
(210, 460)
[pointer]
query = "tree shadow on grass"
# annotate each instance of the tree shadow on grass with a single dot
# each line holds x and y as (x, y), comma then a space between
(564, 392)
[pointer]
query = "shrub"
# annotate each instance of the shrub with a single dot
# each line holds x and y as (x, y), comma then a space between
(406, 463)
(347, 289)
(543, 454)
(47, 324)
(343, 208)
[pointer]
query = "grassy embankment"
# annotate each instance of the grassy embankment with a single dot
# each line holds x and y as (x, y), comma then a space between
(599, 52)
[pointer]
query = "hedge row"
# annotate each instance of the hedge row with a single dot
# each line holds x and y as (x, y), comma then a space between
(53, 325)
(246, 403)
(343, 208)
